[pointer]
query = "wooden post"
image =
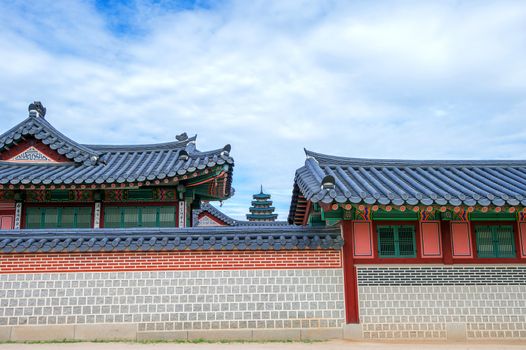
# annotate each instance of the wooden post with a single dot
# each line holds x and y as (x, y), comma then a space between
(445, 227)
(349, 275)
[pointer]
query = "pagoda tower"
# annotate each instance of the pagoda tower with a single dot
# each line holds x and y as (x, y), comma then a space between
(262, 209)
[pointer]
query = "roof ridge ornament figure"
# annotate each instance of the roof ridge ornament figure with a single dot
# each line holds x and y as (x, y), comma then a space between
(36, 109)
(182, 137)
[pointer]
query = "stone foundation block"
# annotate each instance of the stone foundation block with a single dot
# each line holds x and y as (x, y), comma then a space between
(456, 332)
(168, 336)
(238, 334)
(321, 333)
(5, 333)
(276, 334)
(106, 332)
(353, 332)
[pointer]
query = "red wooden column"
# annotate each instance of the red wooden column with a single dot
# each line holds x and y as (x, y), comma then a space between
(445, 227)
(521, 224)
(349, 275)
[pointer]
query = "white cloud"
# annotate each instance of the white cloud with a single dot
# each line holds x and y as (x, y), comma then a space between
(385, 79)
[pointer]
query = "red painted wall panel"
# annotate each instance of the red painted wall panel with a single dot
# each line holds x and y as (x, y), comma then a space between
(363, 239)
(522, 236)
(461, 239)
(431, 239)
(6, 222)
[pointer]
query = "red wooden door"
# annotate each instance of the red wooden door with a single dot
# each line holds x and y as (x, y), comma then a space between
(6, 222)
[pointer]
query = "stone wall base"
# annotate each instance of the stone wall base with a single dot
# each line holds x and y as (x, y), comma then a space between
(455, 332)
(131, 332)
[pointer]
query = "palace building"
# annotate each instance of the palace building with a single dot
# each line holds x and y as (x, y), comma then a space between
(123, 242)
(433, 249)
(50, 181)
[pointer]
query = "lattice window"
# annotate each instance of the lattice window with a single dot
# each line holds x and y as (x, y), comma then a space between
(148, 216)
(495, 241)
(166, 216)
(58, 217)
(396, 241)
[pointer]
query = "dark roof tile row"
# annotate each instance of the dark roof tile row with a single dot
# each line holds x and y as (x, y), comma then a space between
(173, 239)
(102, 164)
(411, 182)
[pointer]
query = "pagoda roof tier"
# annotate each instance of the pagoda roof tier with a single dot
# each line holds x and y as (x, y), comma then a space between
(99, 165)
(268, 203)
(332, 179)
(261, 196)
(262, 216)
(209, 208)
(170, 239)
(262, 209)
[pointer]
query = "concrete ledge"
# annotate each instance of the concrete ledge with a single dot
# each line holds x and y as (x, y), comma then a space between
(276, 334)
(5, 333)
(42, 333)
(123, 331)
(111, 331)
(353, 332)
(228, 334)
(321, 333)
(171, 335)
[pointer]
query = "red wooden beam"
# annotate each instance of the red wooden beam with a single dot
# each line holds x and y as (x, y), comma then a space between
(349, 275)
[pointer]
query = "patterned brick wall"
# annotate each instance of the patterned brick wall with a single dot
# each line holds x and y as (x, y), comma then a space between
(420, 302)
(175, 300)
(179, 260)
(442, 276)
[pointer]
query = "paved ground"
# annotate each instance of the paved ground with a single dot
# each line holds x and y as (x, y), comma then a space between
(332, 345)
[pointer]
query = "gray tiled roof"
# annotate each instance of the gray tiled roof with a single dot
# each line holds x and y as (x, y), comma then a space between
(207, 207)
(412, 182)
(170, 239)
(98, 164)
(42, 130)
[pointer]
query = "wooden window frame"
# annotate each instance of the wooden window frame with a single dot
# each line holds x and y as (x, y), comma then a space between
(396, 240)
(59, 216)
(139, 211)
(495, 254)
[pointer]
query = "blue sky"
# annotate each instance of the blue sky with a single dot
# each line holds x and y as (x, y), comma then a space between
(383, 79)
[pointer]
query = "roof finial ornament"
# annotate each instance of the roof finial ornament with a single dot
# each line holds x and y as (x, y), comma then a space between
(261, 191)
(226, 150)
(182, 137)
(36, 109)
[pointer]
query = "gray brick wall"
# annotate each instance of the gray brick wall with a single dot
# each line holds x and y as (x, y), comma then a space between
(176, 300)
(442, 275)
(420, 302)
